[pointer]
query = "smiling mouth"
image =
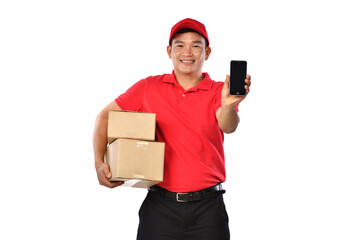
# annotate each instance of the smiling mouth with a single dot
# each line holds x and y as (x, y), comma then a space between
(187, 61)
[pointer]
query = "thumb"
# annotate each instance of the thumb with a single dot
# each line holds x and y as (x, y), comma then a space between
(227, 82)
(227, 79)
(107, 173)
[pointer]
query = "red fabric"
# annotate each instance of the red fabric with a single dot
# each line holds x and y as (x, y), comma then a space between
(186, 122)
(191, 24)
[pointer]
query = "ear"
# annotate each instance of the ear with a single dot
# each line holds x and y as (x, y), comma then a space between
(168, 49)
(207, 53)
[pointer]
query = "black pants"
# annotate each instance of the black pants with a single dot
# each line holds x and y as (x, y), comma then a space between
(162, 218)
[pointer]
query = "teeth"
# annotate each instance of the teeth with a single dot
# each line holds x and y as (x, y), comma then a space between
(187, 61)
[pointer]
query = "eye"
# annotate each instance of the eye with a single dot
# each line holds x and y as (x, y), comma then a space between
(179, 46)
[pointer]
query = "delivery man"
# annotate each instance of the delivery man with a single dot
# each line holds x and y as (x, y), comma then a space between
(192, 114)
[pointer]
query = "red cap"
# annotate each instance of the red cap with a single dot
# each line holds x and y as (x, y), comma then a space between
(191, 24)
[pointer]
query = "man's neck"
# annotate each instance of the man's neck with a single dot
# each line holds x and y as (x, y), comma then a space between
(188, 81)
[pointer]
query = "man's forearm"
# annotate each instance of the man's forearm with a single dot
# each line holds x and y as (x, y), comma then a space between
(228, 119)
(100, 132)
(100, 137)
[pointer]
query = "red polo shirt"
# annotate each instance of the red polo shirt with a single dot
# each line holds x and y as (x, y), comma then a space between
(186, 122)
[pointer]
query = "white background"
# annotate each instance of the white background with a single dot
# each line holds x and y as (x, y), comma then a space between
(293, 164)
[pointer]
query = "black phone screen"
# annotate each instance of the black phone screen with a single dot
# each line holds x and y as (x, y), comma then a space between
(237, 77)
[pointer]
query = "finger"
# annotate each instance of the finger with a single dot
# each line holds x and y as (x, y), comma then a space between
(105, 177)
(248, 82)
(106, 171)
(108, 174)
(116, 184)
(247, 88)
(227, 81)
(111, 184)
(227, 78)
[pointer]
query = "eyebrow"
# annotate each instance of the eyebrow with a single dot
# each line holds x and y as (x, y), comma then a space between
(179, 41)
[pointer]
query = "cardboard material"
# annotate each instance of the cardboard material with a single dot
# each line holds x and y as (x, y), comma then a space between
(131, 125)
(132, 160)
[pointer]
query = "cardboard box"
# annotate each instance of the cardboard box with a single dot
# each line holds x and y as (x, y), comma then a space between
(138, 163)
(131, 125)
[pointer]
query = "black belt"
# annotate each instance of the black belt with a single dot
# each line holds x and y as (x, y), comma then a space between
(191, 196)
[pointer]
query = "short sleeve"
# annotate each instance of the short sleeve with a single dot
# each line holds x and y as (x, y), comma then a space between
(132, 99)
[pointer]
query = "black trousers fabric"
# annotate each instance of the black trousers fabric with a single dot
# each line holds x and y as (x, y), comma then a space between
(162, 218)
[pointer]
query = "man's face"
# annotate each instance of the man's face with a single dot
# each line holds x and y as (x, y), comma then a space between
(188, 52)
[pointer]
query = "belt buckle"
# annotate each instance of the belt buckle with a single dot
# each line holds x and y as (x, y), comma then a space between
(180, 194)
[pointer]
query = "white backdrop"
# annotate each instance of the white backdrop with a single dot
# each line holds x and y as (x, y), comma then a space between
(292, 165)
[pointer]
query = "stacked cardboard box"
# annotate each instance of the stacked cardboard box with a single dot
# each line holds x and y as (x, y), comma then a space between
(132, 154)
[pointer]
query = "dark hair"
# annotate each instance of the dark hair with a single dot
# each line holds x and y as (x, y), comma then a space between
(186, 30)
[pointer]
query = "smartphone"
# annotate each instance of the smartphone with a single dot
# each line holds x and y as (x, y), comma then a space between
(237, 77)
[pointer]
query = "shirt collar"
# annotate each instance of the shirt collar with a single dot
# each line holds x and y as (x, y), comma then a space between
(205, 84)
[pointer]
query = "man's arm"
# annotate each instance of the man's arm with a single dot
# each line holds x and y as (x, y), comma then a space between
(99, 145)
(226, 115)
